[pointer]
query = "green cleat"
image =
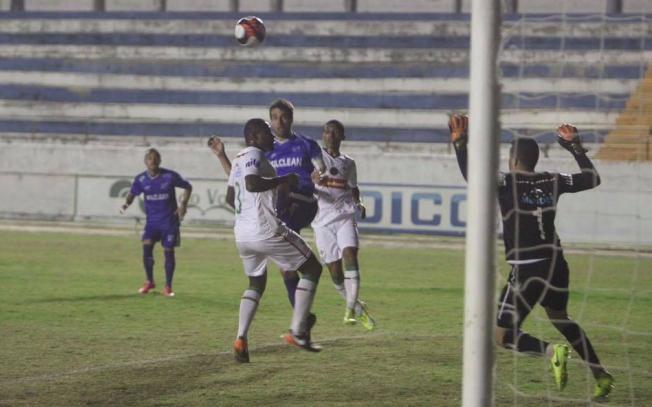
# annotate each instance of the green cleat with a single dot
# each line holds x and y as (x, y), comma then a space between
(558, 364)
(349, 317)
(603, 386)
(364, 318)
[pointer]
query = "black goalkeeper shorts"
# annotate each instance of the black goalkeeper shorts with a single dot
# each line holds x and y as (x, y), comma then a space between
(544, 282)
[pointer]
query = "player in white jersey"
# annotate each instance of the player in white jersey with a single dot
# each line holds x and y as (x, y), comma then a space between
(260, 236)
(336, 230)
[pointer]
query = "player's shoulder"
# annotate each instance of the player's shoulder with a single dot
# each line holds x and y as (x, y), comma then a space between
(249, 151)
(347, 158)
(565, 178)
(168, 173)
(305, 140)
(546, 176)
(250, 156)
(141, 177)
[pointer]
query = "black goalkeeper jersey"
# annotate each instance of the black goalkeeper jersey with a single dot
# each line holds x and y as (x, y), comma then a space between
(528, 205)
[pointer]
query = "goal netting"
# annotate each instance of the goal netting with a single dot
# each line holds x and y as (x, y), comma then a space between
(592, 70)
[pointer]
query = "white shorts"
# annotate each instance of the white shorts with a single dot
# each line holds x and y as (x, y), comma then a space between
(334, 237)
(287, 250)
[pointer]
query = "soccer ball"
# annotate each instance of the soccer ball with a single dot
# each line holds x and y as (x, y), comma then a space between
(250, 31)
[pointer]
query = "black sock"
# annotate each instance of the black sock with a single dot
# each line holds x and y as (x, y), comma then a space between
(148, 262)
(291, 286)
(170, 263)
(524, 342)
(577, 338)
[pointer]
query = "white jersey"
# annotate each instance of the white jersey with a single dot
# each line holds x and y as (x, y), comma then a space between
(255, 214)
(335, 198)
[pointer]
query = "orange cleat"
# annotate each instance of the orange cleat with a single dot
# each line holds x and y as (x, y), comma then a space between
(241, 350)
(147, 287)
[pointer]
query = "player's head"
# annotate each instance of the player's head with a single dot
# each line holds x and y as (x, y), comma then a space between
(258, 134)
(333, 134)
(152, 160)
(281, 116)
(524, 154)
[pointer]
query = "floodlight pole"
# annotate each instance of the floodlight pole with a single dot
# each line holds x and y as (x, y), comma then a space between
(477, 384)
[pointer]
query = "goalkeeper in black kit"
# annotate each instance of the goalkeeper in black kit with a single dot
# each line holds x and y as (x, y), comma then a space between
(528, 204)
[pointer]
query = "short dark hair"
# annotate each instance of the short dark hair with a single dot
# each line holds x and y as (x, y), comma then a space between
(153, 151)
(254, 126)
(526, 150)
(284, 105)
(338, 126)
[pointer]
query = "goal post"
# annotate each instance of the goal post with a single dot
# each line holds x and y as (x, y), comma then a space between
(477, 385)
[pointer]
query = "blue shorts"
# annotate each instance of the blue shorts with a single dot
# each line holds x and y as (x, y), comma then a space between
(168, 235)
(299, 214)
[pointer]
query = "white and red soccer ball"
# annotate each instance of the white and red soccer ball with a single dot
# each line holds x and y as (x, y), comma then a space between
(250, 31)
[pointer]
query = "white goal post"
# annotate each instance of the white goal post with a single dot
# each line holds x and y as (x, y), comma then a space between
(477, 385)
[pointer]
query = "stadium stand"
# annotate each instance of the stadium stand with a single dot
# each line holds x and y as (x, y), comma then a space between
(391, 77)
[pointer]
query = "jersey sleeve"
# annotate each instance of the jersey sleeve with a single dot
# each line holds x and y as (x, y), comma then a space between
(352, 178)
(252, 161)
(314, 151)
(573, 182)
(136, 188)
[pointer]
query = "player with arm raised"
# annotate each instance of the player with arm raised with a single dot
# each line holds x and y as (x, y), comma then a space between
(163, 216)
(336, 230)
(528, 205)
(260, 236)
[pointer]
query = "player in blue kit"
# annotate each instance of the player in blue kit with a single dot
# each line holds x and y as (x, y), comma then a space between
(163, 216)
(294, 153)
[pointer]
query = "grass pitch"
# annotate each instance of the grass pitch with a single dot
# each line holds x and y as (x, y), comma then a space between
(75, 333)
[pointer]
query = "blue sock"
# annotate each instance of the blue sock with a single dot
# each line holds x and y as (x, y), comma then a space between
(170, 263)
(291, 283)
(148, 261)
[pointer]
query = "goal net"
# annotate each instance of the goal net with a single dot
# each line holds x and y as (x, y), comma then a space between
(591, 70)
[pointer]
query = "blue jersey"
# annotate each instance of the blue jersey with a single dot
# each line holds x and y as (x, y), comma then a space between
(294, 156)
(160, 196)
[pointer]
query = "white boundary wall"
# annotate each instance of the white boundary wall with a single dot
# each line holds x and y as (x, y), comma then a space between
(404, 191)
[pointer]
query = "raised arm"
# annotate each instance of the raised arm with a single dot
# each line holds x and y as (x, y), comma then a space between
(588, 178)
(217, 147)
(459, 130)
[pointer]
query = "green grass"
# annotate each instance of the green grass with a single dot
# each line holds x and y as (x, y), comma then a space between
(73, 331)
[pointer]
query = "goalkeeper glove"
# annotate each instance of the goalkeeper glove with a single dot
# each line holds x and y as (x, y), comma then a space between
(568, 138)
(459, 127)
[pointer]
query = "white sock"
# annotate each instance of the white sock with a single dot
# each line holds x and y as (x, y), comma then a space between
(303, 298)
(248, 306)
(352, 284)
(340, 289)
